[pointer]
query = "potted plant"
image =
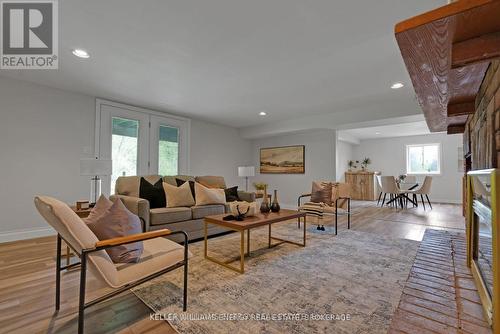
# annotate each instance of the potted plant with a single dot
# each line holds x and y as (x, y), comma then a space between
(260, 187)
(365, 163)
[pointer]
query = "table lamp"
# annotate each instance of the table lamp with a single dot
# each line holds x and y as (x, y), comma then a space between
(95, 168)
(246, 171)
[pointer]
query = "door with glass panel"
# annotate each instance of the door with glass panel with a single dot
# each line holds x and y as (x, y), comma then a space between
(141, 143)
(168, 140)
(124, 138)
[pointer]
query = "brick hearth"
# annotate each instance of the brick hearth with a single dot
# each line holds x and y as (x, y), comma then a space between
(440, 295)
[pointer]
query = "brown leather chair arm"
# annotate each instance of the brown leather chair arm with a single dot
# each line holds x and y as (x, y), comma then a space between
(132, 238)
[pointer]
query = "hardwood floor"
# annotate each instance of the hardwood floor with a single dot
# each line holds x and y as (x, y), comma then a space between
(27, 276)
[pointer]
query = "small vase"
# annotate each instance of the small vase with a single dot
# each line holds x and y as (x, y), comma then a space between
(275, 206)
(264, 206)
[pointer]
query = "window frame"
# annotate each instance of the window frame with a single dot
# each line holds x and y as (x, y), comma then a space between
(438, 172)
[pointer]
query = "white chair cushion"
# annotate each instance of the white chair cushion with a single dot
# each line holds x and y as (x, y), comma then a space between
(158, 254)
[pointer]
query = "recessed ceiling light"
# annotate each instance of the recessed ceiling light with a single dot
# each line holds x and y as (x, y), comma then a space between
(80, 53)
(397, 85)
(263, 113)
(377, 133)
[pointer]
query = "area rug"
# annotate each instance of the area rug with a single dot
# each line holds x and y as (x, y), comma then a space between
(349, 283)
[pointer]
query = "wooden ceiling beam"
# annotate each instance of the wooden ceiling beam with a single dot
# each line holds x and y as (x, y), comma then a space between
(454, 129)
(460, 109)
(474, 50)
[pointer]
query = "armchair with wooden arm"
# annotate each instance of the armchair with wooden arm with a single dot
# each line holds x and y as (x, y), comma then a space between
(160, 255)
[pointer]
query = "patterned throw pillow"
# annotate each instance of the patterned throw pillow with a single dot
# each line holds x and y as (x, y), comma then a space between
(116, 222)
(321, 192)
(207, 196)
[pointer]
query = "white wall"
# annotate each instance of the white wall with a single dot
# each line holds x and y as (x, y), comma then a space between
(219, 150)
(345, 152)
(388, 156)
(44, 132)
(319, 163)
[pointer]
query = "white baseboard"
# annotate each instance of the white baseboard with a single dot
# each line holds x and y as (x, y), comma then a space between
(446, 201)
(24, 234)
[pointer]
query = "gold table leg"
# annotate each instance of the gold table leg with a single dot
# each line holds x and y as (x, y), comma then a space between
(269, 239)
(226, 264)
(303, 244)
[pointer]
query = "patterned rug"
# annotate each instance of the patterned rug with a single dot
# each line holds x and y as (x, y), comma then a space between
(350, 283)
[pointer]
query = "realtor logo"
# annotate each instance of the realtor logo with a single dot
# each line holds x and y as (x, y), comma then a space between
(29, 38)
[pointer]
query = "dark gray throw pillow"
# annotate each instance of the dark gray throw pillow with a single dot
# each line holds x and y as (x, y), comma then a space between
(154, 193)
(232, 194)
(116, 222)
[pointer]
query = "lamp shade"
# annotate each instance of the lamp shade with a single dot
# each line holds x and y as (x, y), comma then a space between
(246, 171)
(96, 167)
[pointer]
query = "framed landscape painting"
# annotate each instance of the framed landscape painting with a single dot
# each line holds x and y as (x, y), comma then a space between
(282, 160)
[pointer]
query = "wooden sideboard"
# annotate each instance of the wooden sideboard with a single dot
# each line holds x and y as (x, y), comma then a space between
(362, 185)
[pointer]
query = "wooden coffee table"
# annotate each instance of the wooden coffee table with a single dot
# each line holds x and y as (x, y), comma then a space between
(249, 223)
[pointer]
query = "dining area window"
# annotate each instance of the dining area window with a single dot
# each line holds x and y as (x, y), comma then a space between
(423, 159)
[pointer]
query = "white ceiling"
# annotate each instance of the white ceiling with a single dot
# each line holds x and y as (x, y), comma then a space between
(388, 131)
(226, 60)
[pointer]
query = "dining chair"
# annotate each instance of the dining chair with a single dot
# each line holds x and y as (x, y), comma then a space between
(379, 183)
(424, 190)
(159, 256)
(390, 187)
(410, 178)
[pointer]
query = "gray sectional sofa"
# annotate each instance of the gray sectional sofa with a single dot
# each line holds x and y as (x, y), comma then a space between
(188, 219)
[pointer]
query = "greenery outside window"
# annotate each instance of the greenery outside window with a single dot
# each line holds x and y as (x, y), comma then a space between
(423, 159)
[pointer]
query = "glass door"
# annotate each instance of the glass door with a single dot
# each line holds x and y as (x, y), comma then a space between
(140, 142)
(168, 138)
(123, 139)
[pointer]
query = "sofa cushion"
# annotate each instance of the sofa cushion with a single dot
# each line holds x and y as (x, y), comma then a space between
(158, 254)
(117, 222)
(162, 216)
(232, 194)
(200, 211)
(178, 196)
(101, 206)
(154, 193)
(207, 196)
(211, 181)
(191, 185)
(171, 179)
(129, 185)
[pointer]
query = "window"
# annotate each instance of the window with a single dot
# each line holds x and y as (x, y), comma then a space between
(423, 159)
(124, 140)
(168, 150)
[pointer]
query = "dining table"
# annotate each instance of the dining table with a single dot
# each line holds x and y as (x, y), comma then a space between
(405, 186)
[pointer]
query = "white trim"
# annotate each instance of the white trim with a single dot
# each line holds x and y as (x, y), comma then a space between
(23, 234)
